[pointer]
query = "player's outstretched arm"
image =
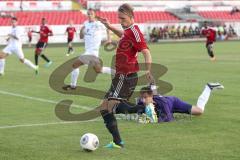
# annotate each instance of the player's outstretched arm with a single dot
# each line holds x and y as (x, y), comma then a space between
(36, 32)
(81, 34)
(107, 24)
(115, 30)
(13, 36)
(50, 33)
(148, 62)
(108, 36)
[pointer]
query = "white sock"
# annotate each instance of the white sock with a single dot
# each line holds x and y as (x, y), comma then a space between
(74, 77)
(108, 70)
(2, 65)
(203, 98)
(29, 64)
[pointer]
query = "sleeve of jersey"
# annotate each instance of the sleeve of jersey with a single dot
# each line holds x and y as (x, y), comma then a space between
(50, 31)
(139, 102)
(138, 39)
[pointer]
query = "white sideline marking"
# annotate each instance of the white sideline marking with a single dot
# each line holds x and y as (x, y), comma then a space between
(40, 99)
(45, 124)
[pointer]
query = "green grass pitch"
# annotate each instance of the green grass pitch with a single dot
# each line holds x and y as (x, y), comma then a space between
(26, 99)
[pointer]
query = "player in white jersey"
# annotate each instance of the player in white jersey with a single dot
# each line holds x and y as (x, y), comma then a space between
(14, 47)
(91, 32)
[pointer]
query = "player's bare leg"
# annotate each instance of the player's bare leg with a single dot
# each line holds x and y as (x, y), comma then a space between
(38, 52)
(108, 109)
(29, 63)
(196, 111)
(22, 60)
(70, 49)
(210, 52)
(204, 97)
(101, 69)
(111, 122)
(74, 75)
(29, 42)
(2, 62)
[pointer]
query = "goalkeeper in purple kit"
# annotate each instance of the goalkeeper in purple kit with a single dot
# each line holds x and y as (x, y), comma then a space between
(163, 107)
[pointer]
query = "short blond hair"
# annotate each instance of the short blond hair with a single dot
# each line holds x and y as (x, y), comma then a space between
(126, 9)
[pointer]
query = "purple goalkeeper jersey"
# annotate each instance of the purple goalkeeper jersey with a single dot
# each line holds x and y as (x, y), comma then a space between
(165, 106)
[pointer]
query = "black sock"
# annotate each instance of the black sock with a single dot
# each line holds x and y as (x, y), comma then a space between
(111, 124)
(71, 48)
(124, 108)
(45, 58)
(210, 52)
(36, 59)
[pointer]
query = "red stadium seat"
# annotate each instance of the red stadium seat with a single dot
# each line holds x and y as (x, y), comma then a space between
(61, 18)
(141, 16)
(220, 15)
(53, 17)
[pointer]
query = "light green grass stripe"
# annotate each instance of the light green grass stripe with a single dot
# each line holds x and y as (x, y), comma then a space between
(40, 99)
(45, 124)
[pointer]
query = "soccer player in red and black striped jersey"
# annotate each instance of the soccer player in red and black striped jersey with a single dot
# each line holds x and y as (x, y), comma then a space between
(71, 30)
(125, 80)
(210, 34)
(44, 32)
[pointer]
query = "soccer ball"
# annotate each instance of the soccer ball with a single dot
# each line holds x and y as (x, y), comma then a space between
(89, 142)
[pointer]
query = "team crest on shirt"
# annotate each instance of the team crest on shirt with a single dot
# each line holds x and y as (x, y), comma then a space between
(125, 45)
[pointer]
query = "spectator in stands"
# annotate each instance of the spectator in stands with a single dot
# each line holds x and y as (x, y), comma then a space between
(231, 31)
(154, 35)
(166, 32)
(161, 32)
(220, 32)
(148, 32)
(179, 32)
(235, 10)
(191, 32)
(224, 30)
(173, 32)
(197, 31)
(185, 32)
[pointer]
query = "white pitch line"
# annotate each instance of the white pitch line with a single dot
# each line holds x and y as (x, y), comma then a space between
(45, 124)
(40, 99)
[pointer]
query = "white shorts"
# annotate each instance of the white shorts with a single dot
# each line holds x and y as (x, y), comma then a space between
(93, 53)
(90, 59)
(9, 49)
